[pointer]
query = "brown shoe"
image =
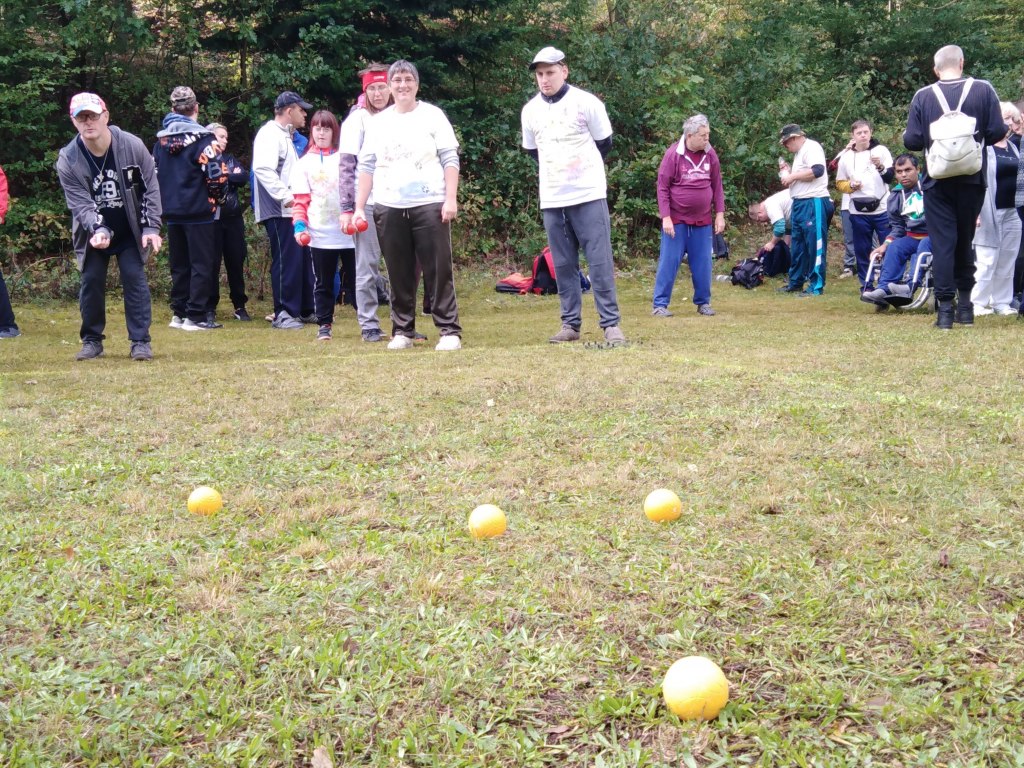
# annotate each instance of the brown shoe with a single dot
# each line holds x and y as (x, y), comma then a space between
(614, 336)
(568, 333)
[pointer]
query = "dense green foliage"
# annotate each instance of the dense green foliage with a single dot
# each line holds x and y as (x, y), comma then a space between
(750, 67)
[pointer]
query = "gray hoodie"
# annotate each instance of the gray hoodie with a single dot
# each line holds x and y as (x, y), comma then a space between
(137, 176)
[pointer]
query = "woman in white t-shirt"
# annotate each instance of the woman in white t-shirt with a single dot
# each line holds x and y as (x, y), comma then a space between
(410, 161)
(316, 216)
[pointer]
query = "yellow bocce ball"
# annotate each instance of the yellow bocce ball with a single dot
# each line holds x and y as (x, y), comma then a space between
(695, 689)
(205, 501)
(662, 506)
(487, 521)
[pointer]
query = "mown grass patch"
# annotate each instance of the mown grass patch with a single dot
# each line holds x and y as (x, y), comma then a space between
(849, 552)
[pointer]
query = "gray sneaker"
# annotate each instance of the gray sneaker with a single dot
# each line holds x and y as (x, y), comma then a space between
(89, 350)
(900, 289)
(706, 310)
(373, 335)
(661, 312)
(876, 297)
(309, 319)
(614, 335)
(141, 350)
(286, 322)
(568, 333)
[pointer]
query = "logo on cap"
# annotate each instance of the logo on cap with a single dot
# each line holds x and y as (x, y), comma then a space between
(87, 102)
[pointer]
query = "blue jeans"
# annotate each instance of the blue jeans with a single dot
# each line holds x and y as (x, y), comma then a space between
(585, 226)
(811, 217)
(6, 312)
(899, 252)
(696, 243)
(865, 227)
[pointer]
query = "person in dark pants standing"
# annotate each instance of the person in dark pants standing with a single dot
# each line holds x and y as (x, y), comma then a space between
(110, 185)
(231, 229)
(952, 204)
(410, 162)
(194, 179)
(8, 328)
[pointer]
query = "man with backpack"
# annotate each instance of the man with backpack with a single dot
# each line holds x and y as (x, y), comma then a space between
(952, 120)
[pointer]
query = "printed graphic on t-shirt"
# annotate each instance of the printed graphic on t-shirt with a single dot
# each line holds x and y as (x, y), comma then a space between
(106, 191)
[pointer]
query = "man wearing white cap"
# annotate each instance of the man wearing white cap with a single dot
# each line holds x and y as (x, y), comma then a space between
(109, 182)
(567, 131)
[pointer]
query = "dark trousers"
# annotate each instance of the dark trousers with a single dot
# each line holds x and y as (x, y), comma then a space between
(231, 231)
(407, 235)
(325, 267)
(952, 209)
(347, 284)
(92, 297)
(291, 270)
(6, 311)
(194, 260)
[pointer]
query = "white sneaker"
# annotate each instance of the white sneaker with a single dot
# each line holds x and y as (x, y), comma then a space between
(980, 311)
(1004, 309)
(176, 322)
(449, 343)
(400, 342)
(189, 325)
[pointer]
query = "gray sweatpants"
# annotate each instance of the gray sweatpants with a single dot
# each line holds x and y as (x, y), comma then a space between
(569, 229)
(367, 272)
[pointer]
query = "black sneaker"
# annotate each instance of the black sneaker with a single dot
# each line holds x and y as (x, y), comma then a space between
(324, 334)
(308, 319)
(373, 335)
(10, 333)
(417, 336)
(241, 314)
(90, 350)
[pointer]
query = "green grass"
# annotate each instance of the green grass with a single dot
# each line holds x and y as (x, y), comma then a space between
(850, 550)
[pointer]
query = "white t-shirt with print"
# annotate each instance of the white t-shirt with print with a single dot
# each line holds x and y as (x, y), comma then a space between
(857, 166)
(809, 155)
(564, 135)
(403, 147)
(316, 175)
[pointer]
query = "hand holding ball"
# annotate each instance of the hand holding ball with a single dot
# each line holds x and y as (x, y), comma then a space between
(205, 501)
(357, 225)
(302, 238)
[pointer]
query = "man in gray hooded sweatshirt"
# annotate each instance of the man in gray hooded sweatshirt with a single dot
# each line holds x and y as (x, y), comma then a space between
(111, 190)
(193, 181)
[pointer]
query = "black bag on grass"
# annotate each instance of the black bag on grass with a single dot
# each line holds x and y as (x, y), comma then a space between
(749, 273)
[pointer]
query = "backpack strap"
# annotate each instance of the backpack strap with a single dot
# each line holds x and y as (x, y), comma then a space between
(963, 96)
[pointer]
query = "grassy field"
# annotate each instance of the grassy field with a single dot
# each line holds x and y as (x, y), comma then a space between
(850, 550)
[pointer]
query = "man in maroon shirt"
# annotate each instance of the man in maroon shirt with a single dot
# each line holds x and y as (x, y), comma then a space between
(689, 189)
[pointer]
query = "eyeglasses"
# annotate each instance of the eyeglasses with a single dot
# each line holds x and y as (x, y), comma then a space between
(87, 117)
(379, 88)
(398, 79)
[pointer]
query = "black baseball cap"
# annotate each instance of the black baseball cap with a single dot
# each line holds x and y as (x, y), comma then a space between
(287, 98)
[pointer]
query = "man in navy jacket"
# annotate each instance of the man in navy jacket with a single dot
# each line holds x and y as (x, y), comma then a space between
(953, 204)
(193, 178)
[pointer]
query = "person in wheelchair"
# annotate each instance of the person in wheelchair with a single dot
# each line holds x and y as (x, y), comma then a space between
(907, 241)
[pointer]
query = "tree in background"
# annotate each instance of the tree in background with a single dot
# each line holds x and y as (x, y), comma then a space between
(750, 66)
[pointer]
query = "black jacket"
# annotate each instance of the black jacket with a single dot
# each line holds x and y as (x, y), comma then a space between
(193, 175)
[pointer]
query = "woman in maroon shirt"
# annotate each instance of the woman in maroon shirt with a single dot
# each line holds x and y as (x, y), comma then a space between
(689, 189)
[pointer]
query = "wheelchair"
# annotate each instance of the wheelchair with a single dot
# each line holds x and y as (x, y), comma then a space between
(921, 279)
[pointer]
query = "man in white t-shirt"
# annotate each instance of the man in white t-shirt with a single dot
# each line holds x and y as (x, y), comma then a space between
(864, 173)
(807, 181)
(567, 131)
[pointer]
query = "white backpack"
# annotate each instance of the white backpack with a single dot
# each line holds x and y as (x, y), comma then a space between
(953, 152)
